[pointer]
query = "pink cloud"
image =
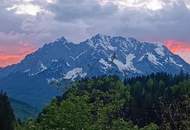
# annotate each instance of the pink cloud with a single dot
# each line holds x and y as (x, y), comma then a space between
(11, 54)
(8, 59)
(180, 48)
(13, 48)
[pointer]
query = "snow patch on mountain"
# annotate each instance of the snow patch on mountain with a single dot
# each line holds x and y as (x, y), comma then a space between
(82, 53)
(52, 80)
(74, 73)
(67, 63)
(27, 70)
(54, 60)
(160, 50)
(128, 66)
(105, 64)
(173, 62)
(119, 65)
(129, 62)
(103, 42)
(152, 58)
(141, 58)
(42, 67)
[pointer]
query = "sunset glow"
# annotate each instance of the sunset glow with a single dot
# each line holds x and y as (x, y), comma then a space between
(65, 63)
(8, 58)
(36, 22)
(177, 47)
(180, 48)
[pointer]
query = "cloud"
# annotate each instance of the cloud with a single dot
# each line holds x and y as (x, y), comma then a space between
(13, 49)
(169, 21)
(6, 60)
(78, 19)
(180, 48)
(153, 20)
(9, 21)
(74, 10)
(177, 46)
(29, 9)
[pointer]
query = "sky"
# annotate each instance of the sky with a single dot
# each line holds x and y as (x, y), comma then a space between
(26, 25)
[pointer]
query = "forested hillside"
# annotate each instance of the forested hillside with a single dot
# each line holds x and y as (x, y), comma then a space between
(7, 118)
(158, 101)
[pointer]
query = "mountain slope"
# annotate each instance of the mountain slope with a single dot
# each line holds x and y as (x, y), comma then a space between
(22, 110)
(29, 80)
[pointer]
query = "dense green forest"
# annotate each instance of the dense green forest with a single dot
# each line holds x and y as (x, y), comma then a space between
(155, 102)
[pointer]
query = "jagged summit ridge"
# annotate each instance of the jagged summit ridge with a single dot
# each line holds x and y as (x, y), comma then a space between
(129, 55)
(96, 56)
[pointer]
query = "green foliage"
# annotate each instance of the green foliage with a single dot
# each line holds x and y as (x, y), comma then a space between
(162, 99)
(89, 104)
(175, 114)
(7, 119)
(151, 126)
(158, 101)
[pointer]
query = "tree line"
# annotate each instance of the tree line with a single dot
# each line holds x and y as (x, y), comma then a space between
(155, 102)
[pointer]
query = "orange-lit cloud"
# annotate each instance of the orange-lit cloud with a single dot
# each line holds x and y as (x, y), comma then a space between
(14, 54)
(9, 59)
(11, 55)
(180, 48)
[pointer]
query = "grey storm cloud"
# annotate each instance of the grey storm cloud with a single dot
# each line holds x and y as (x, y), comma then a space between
(171, 22)
(9, 21)
(79, 19)
(68, 10)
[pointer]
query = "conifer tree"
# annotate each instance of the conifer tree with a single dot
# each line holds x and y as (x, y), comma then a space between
(7, 119)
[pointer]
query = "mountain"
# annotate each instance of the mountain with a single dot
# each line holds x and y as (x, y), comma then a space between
(23, 110)
(29, 81)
